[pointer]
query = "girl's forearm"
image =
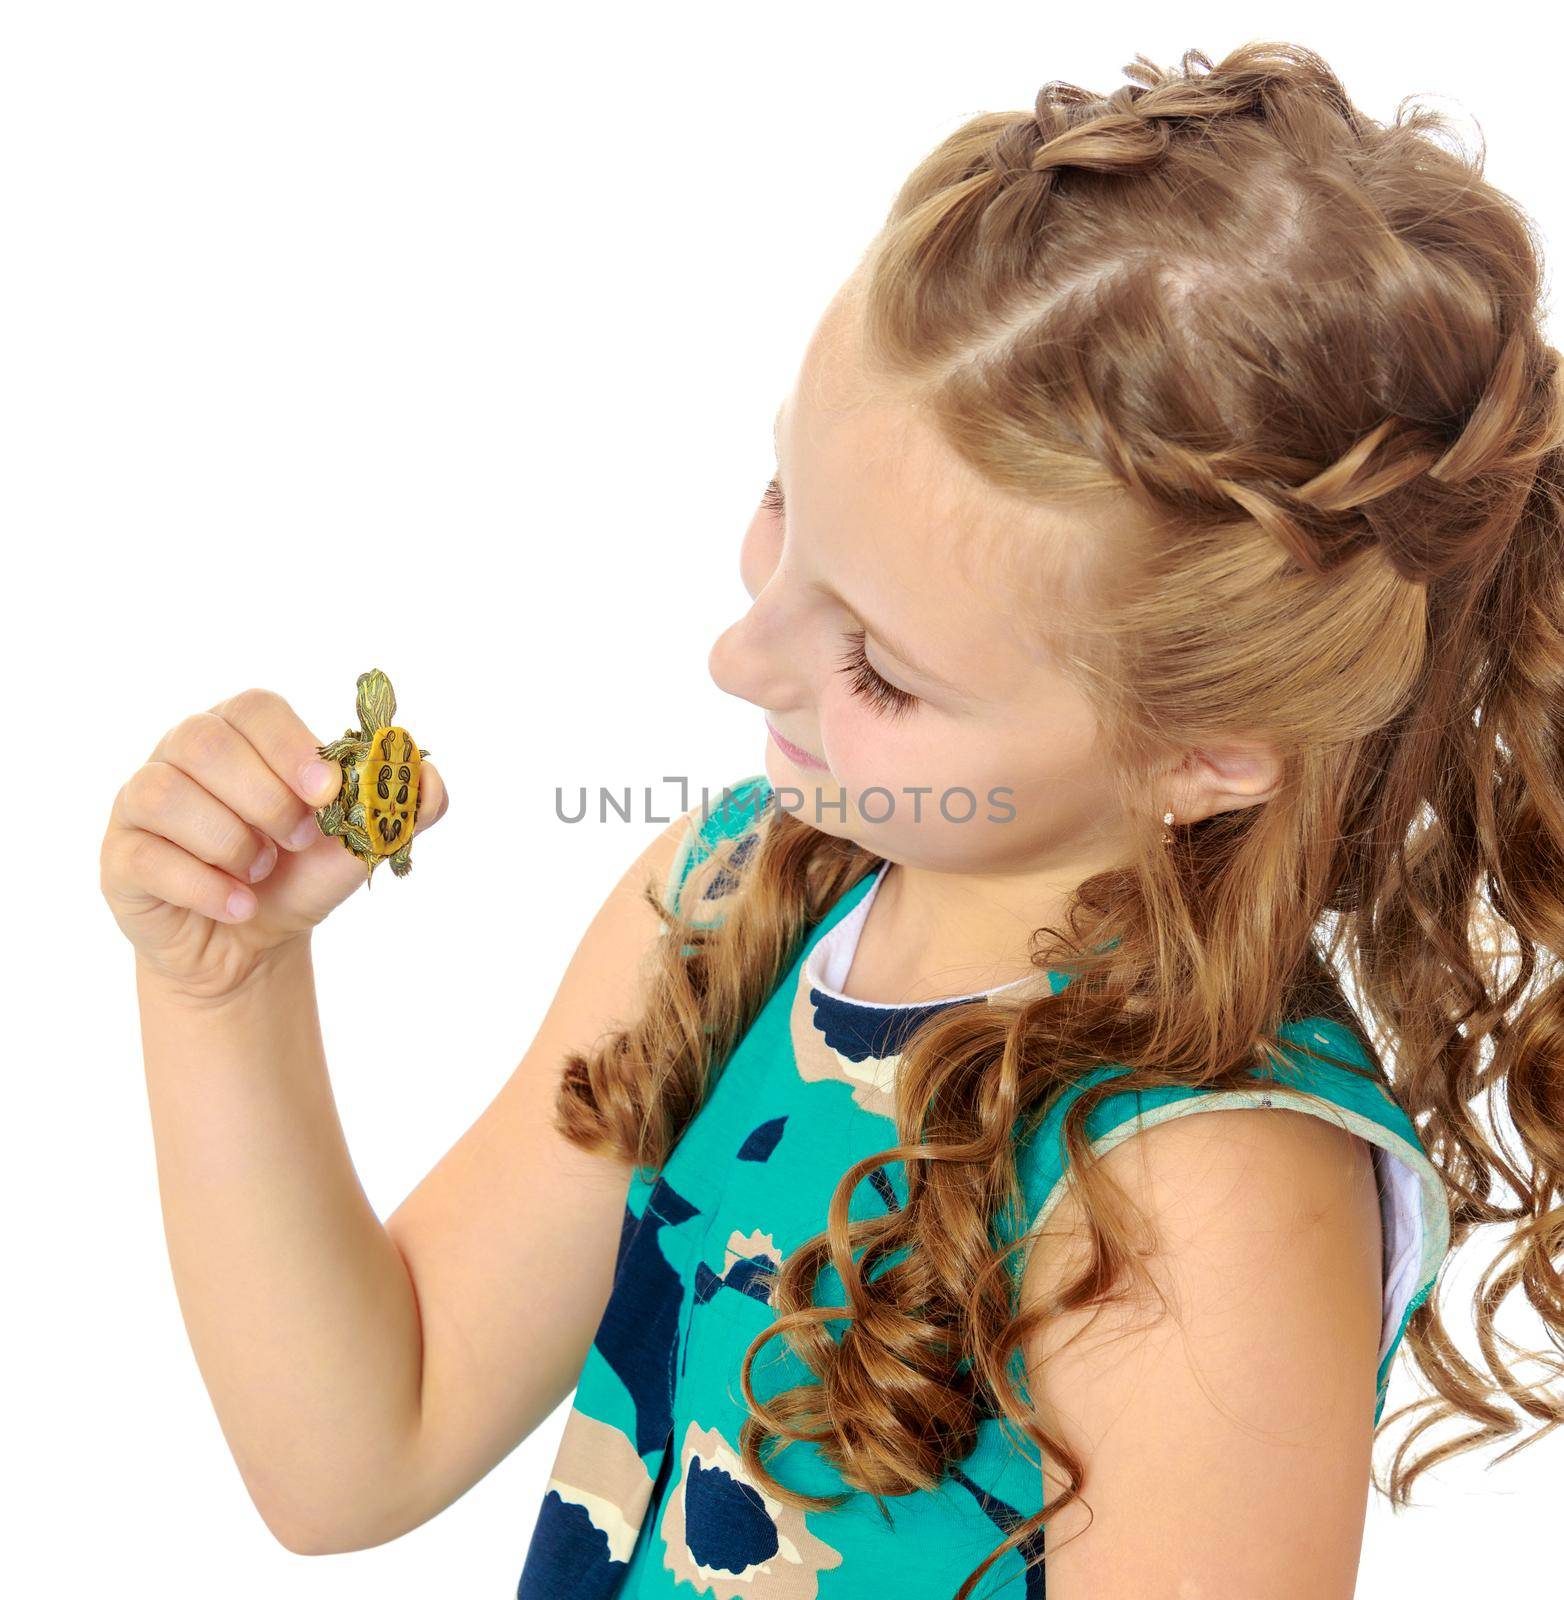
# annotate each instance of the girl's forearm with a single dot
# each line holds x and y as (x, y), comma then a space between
(299, 1307)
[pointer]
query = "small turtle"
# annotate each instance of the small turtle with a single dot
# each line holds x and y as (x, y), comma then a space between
(376, 810)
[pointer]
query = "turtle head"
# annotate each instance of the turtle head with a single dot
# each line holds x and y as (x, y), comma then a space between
(376, 702)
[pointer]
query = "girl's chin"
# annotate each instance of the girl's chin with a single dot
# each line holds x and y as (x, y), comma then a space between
(818, 800)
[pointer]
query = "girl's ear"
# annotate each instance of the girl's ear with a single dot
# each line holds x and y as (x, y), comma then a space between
(1223, 777)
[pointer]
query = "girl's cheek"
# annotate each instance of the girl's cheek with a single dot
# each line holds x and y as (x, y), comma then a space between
(914, 757)
(861, 747)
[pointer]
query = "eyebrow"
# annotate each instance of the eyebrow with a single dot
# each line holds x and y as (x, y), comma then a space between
(906, 658)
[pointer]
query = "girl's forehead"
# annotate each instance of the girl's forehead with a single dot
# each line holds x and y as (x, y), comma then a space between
(994, 576)
(986, 571)
(971, 598)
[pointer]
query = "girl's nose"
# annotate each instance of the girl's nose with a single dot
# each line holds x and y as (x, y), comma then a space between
(758, 658)
(745, 661)
(760, 552)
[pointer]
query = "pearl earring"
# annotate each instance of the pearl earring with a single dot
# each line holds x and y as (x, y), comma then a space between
(1167, 827)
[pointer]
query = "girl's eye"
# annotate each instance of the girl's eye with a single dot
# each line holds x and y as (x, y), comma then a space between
(867, 683)
(772, 498)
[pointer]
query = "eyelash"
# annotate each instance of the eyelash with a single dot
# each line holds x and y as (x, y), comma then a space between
(863, 680)
(867, 683)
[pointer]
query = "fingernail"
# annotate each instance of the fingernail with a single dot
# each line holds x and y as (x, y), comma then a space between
(264, 862)
(320, 778)
(240, 904)
(304, 835)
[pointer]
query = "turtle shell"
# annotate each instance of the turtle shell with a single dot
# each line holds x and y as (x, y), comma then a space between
(388, 789)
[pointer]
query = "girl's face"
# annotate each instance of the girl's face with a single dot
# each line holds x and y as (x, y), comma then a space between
(898, 637)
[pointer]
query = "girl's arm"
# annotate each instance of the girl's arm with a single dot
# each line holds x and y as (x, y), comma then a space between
(1226, 1441)
(511, 1240)
(365, 1374)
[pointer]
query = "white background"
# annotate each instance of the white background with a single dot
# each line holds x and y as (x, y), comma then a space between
(447, 339)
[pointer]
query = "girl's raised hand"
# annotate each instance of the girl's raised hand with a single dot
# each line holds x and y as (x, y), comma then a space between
(213, 860)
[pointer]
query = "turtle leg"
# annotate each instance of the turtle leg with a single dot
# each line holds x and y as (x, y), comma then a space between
(331, 821)
(355, 831)
(347, 828)
(351, 745)
(402, 861)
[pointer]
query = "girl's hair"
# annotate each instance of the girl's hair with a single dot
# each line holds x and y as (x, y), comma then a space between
(1299, 350)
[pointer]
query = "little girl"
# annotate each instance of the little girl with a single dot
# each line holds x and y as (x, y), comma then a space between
(1157, 616)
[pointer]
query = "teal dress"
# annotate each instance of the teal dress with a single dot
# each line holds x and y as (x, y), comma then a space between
(649, 1498)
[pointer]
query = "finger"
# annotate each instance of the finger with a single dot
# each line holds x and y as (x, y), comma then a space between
(287, 745)
(210, 749)
(163, 799)
(432, 796)
(145, 867)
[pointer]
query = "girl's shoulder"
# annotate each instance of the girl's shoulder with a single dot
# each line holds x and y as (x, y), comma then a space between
(1322, 1067)
(720, 835)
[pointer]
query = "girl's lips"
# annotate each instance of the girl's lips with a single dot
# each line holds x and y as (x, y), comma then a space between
(799, 758)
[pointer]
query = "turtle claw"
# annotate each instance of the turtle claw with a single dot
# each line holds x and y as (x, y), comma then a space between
(350, 746)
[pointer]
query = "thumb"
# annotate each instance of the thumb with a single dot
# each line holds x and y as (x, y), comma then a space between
(319, 781)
